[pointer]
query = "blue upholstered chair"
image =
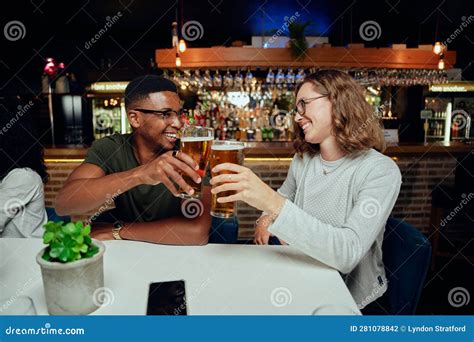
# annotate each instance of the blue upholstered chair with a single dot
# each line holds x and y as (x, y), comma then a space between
(406, 256)
(224, 230)
(53, 216)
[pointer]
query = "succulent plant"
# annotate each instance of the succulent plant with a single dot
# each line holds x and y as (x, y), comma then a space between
(68, 242)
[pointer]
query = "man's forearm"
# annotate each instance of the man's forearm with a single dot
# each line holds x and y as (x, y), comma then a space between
(170, 231)
(83, 195)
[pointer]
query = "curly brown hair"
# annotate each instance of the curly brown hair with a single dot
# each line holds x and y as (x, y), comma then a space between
(355, 124)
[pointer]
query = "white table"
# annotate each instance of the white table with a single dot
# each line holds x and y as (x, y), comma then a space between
(220, 279)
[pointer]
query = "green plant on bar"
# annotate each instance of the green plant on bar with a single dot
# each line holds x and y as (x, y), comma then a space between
(68, 242)
(298, 44)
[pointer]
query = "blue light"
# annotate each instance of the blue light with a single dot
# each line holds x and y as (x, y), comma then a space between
(269, 17)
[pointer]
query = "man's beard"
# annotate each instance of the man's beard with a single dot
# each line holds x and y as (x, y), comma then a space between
(157, 147)
(160, 149)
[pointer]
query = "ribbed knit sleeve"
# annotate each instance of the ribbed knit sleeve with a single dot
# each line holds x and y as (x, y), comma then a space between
(288, 188)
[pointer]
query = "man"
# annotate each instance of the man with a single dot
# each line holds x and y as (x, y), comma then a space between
(141, 173)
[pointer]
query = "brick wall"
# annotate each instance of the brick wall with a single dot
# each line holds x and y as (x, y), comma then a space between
(58, 173)
(421, 174)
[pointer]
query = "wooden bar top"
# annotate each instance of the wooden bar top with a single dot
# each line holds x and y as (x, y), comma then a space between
(275, 150)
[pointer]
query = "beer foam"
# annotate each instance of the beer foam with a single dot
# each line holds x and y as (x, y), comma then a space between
(194, 139)
(227, 147)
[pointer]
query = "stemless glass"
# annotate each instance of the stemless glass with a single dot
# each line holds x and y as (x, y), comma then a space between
(225, 151)
(196, 142)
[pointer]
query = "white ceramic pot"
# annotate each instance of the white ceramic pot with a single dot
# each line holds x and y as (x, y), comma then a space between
(70, 287)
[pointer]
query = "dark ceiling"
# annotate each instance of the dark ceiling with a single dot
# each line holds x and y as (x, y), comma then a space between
(61, 29)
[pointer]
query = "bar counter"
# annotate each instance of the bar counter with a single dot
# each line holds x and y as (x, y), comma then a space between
(423, 168)
(275, 149)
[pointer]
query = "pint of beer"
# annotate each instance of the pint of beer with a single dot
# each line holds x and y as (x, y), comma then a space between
(196, 142)
(223, 151)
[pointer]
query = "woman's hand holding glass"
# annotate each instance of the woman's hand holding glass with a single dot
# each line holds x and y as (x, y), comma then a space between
(247, 188)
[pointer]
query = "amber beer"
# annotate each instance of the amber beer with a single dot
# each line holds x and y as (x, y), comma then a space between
(225, 152)
(196, 142)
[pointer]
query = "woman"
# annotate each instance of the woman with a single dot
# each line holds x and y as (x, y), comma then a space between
(22, 173)
(339, 190)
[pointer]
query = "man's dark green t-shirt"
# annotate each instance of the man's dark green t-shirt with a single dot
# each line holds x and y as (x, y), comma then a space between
(142, 203)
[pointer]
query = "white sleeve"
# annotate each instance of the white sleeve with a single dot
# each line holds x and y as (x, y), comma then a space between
(22, 210)
(288, 188)
(343, 247)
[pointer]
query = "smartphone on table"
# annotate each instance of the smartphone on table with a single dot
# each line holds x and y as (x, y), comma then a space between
(167, 298)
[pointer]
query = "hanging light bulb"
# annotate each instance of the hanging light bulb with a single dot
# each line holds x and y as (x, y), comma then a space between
(438, 48)
(174, 34)
(178, 60)
(182, 45)
(441, 62)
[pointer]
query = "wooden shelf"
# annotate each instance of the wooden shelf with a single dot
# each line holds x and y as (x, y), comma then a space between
(335, 57)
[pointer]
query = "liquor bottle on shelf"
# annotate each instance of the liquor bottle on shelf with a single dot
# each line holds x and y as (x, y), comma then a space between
(258, 134)
(196, 81)
(238, 79)
(300, 76)
(455, 130)
(238, 133)
(280, 77)
(270, 77)
(250, 134)
(207, 79)
(290, 76)
(228, 79)
(248, 77)
(217, 80)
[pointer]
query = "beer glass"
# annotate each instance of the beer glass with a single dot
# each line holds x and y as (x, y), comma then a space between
(225, 151)
(196, 142)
